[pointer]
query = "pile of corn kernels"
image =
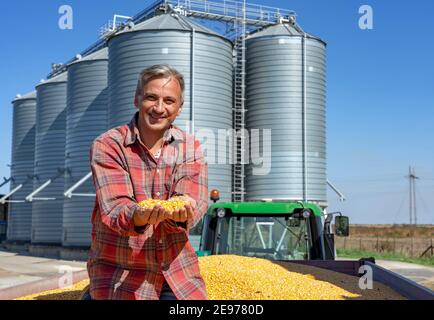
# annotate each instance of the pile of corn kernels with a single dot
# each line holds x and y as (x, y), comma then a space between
(230, 277)
(69, 293)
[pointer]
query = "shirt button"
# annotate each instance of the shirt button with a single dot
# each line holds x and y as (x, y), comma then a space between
(158, 170)
(160, 241)
(158, 194)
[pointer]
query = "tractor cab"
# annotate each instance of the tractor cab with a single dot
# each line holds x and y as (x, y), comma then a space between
(275, 230)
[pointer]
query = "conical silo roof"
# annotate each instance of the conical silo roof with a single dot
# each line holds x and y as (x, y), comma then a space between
(169, 21)
(98, 55)
(30, 95)
(63, 77)
(282, 29)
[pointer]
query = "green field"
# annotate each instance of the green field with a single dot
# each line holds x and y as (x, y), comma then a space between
(351, 253)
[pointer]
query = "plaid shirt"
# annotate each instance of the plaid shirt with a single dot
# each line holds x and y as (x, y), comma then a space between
(126, 262)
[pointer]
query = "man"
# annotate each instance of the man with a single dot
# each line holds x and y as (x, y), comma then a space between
(141, 253)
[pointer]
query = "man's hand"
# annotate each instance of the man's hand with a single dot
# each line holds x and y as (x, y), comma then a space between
(183, 214)
(144, 216)
(186, 213)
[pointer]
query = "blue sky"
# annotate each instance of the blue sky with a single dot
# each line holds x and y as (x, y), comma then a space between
(380, 89)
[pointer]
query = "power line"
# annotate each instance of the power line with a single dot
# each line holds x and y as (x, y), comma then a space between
(369, 179)
(425, 205)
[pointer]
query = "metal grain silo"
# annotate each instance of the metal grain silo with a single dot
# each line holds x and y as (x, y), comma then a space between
(86, 118)
(23, 157)
(202, 56)
(286, 92)
(49, 161)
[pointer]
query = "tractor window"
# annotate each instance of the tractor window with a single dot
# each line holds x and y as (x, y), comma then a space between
(273, 238)
(195, 234)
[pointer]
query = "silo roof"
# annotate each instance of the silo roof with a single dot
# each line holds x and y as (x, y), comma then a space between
(98, 55)
(170, 21)
(30, 95)
(281, 29)
(63, 77)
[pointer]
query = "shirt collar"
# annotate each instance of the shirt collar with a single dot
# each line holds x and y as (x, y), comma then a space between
(171, 134)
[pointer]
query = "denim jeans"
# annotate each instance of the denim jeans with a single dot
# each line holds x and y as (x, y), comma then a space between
(167, 293)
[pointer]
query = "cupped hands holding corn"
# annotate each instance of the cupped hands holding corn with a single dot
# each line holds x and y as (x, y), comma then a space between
(153, 211)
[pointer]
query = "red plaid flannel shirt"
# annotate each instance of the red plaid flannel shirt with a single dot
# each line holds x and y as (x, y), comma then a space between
(126, 262)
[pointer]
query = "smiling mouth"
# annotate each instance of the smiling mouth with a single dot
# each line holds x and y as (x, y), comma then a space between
(156, 119)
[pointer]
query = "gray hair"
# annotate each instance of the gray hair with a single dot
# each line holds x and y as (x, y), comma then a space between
(159, 70)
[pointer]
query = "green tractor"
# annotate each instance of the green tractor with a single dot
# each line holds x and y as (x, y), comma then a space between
(276, 230)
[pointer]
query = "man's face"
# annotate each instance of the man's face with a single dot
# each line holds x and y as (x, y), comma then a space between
(160, 104)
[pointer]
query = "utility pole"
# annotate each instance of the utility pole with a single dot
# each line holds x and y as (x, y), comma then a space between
(412, 195)
(413, 175)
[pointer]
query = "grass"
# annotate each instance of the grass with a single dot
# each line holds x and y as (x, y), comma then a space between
(351, 253)
(392, 231)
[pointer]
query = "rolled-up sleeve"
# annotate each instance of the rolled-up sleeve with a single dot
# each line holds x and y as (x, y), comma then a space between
(113, 187)
(191, 179)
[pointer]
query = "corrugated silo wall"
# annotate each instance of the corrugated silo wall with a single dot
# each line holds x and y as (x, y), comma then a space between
(131, 52)
(275, 101)
(23, 152)
(49, 162)
(87, 105)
